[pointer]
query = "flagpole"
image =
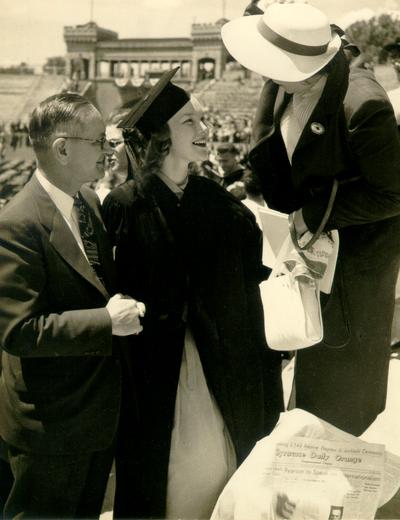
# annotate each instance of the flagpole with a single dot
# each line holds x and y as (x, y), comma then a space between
(223, 8)
(91, 10)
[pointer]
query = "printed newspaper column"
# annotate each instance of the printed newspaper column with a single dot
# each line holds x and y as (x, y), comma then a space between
(320, 479)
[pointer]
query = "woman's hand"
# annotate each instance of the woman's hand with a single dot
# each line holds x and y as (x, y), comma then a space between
(299, 223)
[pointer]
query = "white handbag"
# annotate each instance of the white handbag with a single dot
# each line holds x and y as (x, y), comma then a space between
(292, 309)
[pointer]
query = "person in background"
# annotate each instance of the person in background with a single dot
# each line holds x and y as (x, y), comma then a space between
(206, 385)
(336, 513)
(194, 168)
(319, 120)
(118, 169)
(60, 384)
(253, 8)
(254, 198)
(227, 158)
(237, 190)
(208, 170)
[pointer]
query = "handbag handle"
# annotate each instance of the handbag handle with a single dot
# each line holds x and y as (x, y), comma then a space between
(321, 226)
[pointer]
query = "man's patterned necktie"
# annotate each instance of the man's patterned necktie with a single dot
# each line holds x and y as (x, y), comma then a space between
(88, 235)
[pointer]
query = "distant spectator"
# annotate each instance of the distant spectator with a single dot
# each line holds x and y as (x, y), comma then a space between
(252, 187)
(225, 128)
(233, 171)
(14, 135)
(25, 135)
(2, 144)
(254, 198)
(209, 170)
(194, 169)
(253, 8)
(117, 167)
(237, 190)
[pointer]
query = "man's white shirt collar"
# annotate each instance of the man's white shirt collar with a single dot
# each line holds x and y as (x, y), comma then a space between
(62, 200)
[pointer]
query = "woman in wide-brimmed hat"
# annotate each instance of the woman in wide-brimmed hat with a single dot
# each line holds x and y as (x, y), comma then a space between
(318, 121)
(204, 386)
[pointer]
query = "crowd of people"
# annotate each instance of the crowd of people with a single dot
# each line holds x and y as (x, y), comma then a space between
(226, 128)
(131, 323)
(15, 135)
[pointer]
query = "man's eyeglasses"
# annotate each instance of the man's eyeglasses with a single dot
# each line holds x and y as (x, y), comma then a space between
(101, 141)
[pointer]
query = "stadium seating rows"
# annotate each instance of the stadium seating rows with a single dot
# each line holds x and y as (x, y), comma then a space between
(13, 175)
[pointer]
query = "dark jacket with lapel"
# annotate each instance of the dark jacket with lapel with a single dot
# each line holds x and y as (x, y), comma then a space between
(342, 380)
(60, 384)
(204, 252)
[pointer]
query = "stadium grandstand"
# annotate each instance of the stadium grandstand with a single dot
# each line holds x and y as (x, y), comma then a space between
(110, 71)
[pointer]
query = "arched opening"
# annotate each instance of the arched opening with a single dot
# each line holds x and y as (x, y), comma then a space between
(206, 69)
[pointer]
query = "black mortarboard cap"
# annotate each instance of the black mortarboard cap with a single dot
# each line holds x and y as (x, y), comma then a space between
(162, 101)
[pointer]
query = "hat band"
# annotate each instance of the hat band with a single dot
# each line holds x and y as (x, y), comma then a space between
(288, 45)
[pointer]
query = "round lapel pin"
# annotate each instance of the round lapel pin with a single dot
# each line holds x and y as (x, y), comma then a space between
(317, 128)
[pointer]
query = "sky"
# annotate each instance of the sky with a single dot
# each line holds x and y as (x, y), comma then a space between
(32, 30)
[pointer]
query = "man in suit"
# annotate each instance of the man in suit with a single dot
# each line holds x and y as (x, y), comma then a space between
(319, 120)
(61, 380)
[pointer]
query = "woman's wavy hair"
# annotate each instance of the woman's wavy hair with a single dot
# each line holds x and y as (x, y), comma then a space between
(158, 148)
(135, 145)
(130, 136)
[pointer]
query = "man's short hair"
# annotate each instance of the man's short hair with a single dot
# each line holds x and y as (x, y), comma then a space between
(227, 148)
(60, 112)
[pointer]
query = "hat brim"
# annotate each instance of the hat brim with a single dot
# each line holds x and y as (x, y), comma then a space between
(143, 105)
(247, 46)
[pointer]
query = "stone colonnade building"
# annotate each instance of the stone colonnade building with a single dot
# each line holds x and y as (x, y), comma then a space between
(95, 53)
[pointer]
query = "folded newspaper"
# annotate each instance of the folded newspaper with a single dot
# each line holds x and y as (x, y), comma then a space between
(307, 469)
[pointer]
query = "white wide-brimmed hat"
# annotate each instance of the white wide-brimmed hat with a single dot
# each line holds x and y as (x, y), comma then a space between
(289, 42)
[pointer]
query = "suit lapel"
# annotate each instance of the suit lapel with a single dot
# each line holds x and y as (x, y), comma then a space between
(272, 104)
(61, 237)
(329, 104)
(64, 242)
(315, 128)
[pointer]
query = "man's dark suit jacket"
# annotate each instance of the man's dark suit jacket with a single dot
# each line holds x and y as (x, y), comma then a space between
(60, 384)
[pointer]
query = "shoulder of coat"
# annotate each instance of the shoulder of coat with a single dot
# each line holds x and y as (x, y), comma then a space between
(363, 91)
(124, 195)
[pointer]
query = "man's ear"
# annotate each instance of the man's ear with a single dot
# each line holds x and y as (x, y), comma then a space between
(61, 150)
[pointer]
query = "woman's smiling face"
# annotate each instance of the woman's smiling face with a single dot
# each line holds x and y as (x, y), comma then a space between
(188, 133)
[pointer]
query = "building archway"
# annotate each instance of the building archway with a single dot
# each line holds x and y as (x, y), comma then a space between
(205, 69)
